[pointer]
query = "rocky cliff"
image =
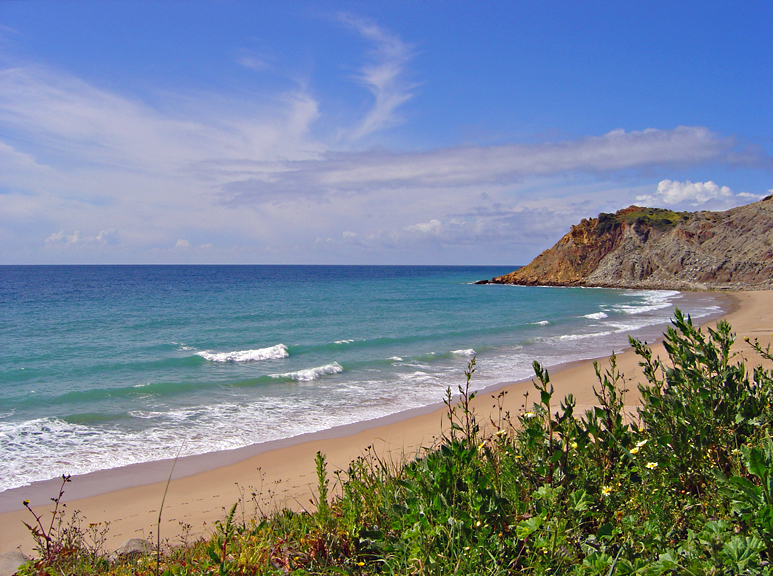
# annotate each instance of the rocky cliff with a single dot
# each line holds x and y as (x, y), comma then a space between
(655, 248)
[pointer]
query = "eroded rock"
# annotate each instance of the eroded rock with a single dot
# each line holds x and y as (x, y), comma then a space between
(661, 249)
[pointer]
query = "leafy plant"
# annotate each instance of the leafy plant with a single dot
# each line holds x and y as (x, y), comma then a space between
(752, 498)
(702, 407)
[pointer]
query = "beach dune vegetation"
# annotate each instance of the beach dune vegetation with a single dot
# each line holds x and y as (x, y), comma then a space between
(682, 486)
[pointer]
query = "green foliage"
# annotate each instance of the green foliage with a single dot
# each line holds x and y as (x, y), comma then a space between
(685, 486)
(702, 408)
(658, 218)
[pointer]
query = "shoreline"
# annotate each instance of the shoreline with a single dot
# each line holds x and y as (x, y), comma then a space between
(283, 470)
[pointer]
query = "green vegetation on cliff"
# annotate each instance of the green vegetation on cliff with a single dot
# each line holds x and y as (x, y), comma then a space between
(684, 488)
(658, 218)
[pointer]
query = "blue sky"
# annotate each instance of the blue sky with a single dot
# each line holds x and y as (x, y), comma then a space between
(368, 132)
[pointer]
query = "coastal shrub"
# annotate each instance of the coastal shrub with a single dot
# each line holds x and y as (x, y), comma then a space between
(701, 408)
(682, 486)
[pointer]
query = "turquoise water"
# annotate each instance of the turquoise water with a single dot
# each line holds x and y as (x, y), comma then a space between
(104, 366)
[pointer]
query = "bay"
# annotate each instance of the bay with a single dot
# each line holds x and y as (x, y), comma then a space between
(104, 366)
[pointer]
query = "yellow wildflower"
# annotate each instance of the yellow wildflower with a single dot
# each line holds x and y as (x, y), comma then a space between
(652, 465)
(606, 491)
(635, 450)
(573, 445)
(641, 443)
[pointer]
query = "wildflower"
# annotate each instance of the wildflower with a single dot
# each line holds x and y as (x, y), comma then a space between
(360, 564)
(652, 465)
(529, 415)
(641, 443)
(635, 450)
(477, 524)
(606, 491)
(573, 445)
(26, 503)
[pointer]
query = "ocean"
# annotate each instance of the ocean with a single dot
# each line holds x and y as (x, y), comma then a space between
(105, 366)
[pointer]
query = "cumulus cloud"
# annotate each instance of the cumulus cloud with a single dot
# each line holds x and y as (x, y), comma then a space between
(59, 238)
(109, 237)
(485, 234)
(431, 227)
(182, 244)
(670, 192)
(104, 238)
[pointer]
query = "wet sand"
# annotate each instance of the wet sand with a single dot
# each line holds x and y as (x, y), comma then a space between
(282, 472)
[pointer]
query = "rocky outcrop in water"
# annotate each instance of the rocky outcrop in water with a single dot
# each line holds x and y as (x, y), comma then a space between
(654, 248)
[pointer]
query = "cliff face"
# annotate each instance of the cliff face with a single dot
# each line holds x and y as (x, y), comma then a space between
(654, 248)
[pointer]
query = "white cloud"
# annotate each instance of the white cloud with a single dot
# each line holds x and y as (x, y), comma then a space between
(253, 61)
(105, 238)
(60, 238)
(434, 227)
(255, 178)
(384, 77)
(671, 192)
(365, 172)
(109, 237)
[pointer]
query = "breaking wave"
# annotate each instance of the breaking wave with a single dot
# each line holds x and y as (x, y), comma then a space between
(271, 353)
(310, 374)
(596, 316)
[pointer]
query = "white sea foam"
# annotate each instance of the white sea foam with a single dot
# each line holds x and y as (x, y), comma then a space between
(596, 316)
(653, 300)
(344, 341)
(583, 336)
(183, 347)
(310, 374)
(541, 323)
(468, 353)
(271, 353)
(396, 358)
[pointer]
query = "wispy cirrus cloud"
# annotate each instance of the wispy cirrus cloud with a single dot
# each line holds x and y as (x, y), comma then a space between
(71, 121)
(366, 172)
(238, 178)
(253, 61)
(384, 76)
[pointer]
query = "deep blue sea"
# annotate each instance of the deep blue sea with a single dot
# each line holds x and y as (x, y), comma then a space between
(103, 366)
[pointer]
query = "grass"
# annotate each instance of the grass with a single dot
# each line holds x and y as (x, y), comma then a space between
(686, 488)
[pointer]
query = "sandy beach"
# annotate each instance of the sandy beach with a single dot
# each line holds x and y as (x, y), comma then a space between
(283, 472)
